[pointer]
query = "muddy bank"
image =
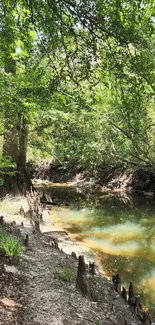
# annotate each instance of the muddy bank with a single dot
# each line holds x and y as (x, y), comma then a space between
(46, 276)
(107, 177)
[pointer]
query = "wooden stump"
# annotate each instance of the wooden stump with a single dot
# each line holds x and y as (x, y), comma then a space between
(35, 210)
(92, 268)
(81, 282)
(40, 217)
(131, 295)
(26, 240)
(117, 282)
(56, 243)
(1, 220)
(74, 255)
(124, 293)
(146, 318)
(37, 225)
(21, 211)
(138, 307)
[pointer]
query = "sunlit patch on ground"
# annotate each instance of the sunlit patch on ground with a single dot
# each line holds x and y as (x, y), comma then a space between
(11, 205)
(8, 302)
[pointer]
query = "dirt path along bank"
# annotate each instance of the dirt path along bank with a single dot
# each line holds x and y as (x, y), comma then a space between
(45, 285)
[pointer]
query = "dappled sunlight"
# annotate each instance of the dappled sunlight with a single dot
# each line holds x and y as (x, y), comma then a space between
(128, 249)
(147, 287)
(47, 184)
(120, 233)
(151, 283)
(11, 204)
(149, 280)
(122, 237)
(75, 221)
(146, 253)
(71, 216)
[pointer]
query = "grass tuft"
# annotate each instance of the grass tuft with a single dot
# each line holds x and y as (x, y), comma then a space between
(10, 244)
(66, 274)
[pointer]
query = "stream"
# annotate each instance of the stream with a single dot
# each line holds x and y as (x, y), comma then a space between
(119, 228)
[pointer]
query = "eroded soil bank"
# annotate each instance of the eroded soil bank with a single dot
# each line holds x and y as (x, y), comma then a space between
(40, 289)
(107, 177)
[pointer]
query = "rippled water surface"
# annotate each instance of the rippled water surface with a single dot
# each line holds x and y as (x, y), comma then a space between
(120, 229)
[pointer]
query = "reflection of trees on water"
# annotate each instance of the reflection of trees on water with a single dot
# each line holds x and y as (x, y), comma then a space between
(115, 211)
(135, 270)
(74, 228)
(110, 215)
(130, 268)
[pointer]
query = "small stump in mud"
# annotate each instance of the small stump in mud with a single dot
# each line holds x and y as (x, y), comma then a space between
(37, 226)
(117, 283)
(131, 299)
(92, 269)
(26, 241)
(81, 282)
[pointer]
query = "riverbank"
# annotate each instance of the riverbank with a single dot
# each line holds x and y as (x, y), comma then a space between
(45, 281)
(116, 178)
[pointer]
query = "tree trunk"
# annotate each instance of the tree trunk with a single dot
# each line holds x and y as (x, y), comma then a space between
(22, 135)
(24, 182)
(10, 144)
(15, 124)
(15, 146)
(81, 281)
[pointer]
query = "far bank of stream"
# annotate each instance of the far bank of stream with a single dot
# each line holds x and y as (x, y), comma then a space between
(120, 229)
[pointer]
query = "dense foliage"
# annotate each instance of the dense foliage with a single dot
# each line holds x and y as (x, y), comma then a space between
(77, 81)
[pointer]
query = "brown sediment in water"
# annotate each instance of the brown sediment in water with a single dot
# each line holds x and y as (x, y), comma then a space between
(99, 249)
(82, 243)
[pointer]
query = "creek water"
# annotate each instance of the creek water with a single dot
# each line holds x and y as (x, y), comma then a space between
(118, 228)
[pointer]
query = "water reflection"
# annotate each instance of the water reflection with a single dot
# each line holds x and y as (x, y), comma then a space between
(120, 229)
(122, 233)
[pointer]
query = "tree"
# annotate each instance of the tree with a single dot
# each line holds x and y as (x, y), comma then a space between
(110, 43)
(85, 64)
(16, 55)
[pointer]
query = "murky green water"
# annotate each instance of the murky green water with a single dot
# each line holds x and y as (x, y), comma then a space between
(122, 232)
